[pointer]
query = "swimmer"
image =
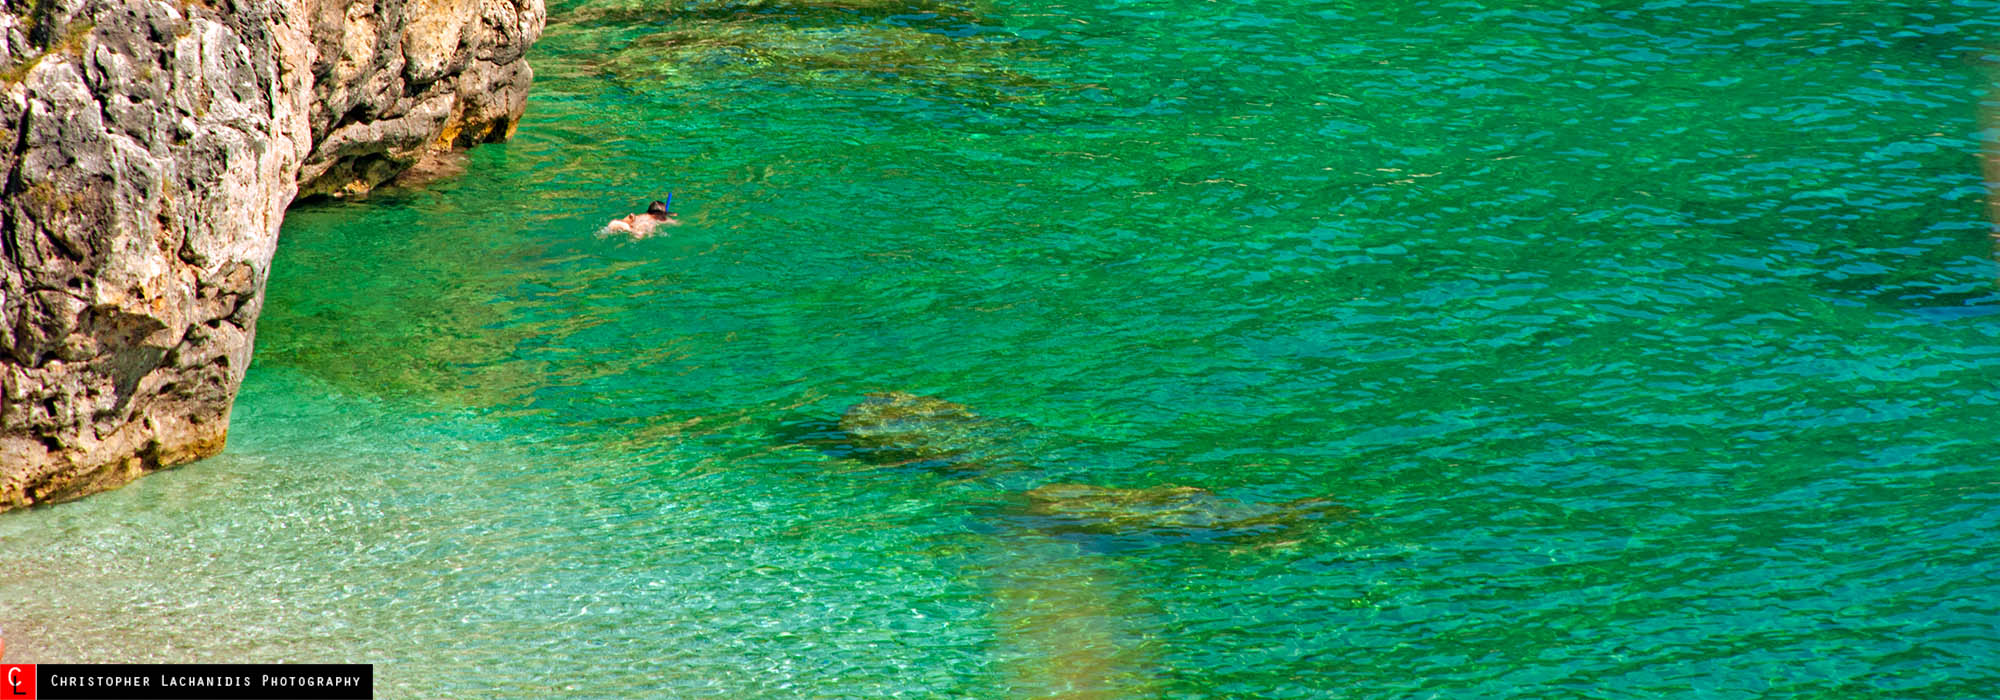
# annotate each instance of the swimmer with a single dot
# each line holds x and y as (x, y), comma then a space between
(642, 225)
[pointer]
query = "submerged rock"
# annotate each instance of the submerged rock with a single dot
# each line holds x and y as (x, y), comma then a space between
(647, 11)
(1169, 510)
(933, 49)
(834, 56)
(898, 427)
(901, 428)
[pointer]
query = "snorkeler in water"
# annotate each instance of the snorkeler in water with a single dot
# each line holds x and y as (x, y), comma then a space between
(642, 225)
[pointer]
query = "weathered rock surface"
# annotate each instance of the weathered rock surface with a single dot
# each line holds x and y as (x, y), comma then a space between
(148, 150)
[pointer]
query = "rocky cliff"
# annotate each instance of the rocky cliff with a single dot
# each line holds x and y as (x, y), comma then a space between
(148, 151)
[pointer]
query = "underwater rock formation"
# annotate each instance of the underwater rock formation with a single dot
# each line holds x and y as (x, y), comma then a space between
(901, 428)
(148, 151)
(926, 49)
(1185, 510)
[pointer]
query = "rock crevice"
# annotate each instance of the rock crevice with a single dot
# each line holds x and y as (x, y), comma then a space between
(148, 151)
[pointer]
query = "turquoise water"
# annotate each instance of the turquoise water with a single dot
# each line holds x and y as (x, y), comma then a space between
(1654, 346)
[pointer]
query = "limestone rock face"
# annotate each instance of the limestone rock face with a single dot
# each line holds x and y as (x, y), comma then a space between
(148, 151)
(400, 83)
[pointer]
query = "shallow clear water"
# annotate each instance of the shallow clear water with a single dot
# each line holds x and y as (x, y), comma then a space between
(1654, 345)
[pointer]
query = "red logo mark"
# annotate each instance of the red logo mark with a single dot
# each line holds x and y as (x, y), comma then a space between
(17, 681)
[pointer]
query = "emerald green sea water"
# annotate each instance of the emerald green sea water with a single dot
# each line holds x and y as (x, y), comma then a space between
(1654, 346)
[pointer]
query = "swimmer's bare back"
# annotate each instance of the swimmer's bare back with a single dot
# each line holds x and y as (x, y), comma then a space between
(643, 224)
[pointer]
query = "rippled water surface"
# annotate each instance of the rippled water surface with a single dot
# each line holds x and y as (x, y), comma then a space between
(1652, 345)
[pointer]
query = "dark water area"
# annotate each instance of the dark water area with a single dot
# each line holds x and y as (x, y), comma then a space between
(1441, 349)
